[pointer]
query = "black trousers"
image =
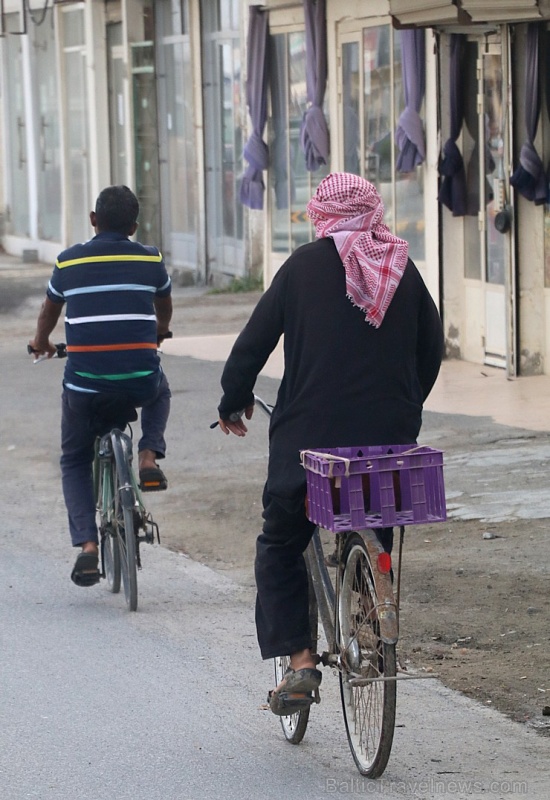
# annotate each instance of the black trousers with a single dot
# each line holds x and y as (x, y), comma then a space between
(282, 602)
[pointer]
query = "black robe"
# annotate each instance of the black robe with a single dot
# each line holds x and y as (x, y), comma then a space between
(345, 382)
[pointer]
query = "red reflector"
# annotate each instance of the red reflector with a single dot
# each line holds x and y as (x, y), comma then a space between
(384, 562)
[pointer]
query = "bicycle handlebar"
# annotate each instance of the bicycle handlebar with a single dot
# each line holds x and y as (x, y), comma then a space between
(236, 415)
(266, 408)
(60, 352)
(162, 336)
(61, 348)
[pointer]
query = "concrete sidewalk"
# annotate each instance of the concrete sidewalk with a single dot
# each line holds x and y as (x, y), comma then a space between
(462, 388)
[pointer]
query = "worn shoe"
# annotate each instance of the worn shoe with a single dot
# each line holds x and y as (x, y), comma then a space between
(296, 692)
(85, 571)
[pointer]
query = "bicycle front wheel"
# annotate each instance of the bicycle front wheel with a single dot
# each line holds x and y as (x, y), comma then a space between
(368, 697)
(126, 538)
(124, 520)
(294, 726)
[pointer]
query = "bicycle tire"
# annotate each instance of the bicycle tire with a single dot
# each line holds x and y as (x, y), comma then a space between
(110, 551)
(369, 709)
(110, 557)
(124, 519)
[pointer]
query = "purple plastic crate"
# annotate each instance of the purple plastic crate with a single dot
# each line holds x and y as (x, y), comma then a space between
(354, 488)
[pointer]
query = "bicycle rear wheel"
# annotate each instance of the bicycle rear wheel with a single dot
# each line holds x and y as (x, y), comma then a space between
(124, 520)
(368, 701)
(104, 471)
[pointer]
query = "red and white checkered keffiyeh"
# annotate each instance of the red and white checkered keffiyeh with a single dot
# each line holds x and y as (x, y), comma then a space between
(349, 210)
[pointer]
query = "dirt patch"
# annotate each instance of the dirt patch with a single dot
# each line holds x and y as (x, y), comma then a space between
(475, 611)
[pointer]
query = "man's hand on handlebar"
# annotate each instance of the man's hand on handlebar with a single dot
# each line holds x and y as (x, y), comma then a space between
(162, 336)
(42, 350)
(235, 423)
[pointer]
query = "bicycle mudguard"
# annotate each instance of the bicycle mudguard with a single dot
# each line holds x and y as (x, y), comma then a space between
(387, 606)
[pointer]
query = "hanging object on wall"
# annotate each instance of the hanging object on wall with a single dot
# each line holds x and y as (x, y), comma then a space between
(314, 135)
(410, 130)
(256, 152)
(529, 177)
(452, 191)
(36, 15)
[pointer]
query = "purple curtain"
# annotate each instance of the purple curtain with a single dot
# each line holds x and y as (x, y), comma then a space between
(256, 151)
(529, 177)
(314, 134)
(410, 131)
(452, 191)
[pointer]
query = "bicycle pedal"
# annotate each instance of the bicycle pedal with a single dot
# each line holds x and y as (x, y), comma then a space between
(290, 704)
(316, 697)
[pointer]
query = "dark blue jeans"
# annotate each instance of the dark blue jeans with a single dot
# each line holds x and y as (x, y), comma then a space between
(282, 602)
(78, 433)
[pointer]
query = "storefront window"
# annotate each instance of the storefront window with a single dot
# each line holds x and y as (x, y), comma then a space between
(290, 182)
(470, 153)
(49, 154)
(372, 100)
(177, 144)
(174, 18)
(409, 186)
(76, 114)
(223, 131)
(494, 165)
(350, 117)
(16, 121)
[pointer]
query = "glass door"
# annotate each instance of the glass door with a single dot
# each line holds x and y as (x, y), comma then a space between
(75, 98)
(223, 136)
(116, 76)
(46, 100)
(17, 162)
(291, 184)
(371, 100)
(176, 131)
(494, 189)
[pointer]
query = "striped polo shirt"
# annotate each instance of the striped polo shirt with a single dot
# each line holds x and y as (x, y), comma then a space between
(109, 285)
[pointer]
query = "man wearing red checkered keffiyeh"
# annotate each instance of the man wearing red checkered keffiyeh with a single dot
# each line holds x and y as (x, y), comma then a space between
(349, 210)
(345, 384)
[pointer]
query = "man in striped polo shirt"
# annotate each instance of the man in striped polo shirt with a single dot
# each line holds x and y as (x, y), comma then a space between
(117, 298)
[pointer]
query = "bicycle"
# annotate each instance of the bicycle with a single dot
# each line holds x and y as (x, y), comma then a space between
(352, 492)
(124, 522)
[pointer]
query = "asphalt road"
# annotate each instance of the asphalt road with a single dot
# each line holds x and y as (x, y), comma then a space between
(99, 703)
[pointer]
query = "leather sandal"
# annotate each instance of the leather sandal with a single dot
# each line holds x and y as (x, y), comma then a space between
(296, 692)
(85, 571)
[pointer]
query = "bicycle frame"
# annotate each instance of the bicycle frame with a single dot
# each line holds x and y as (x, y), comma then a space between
(116, 447)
